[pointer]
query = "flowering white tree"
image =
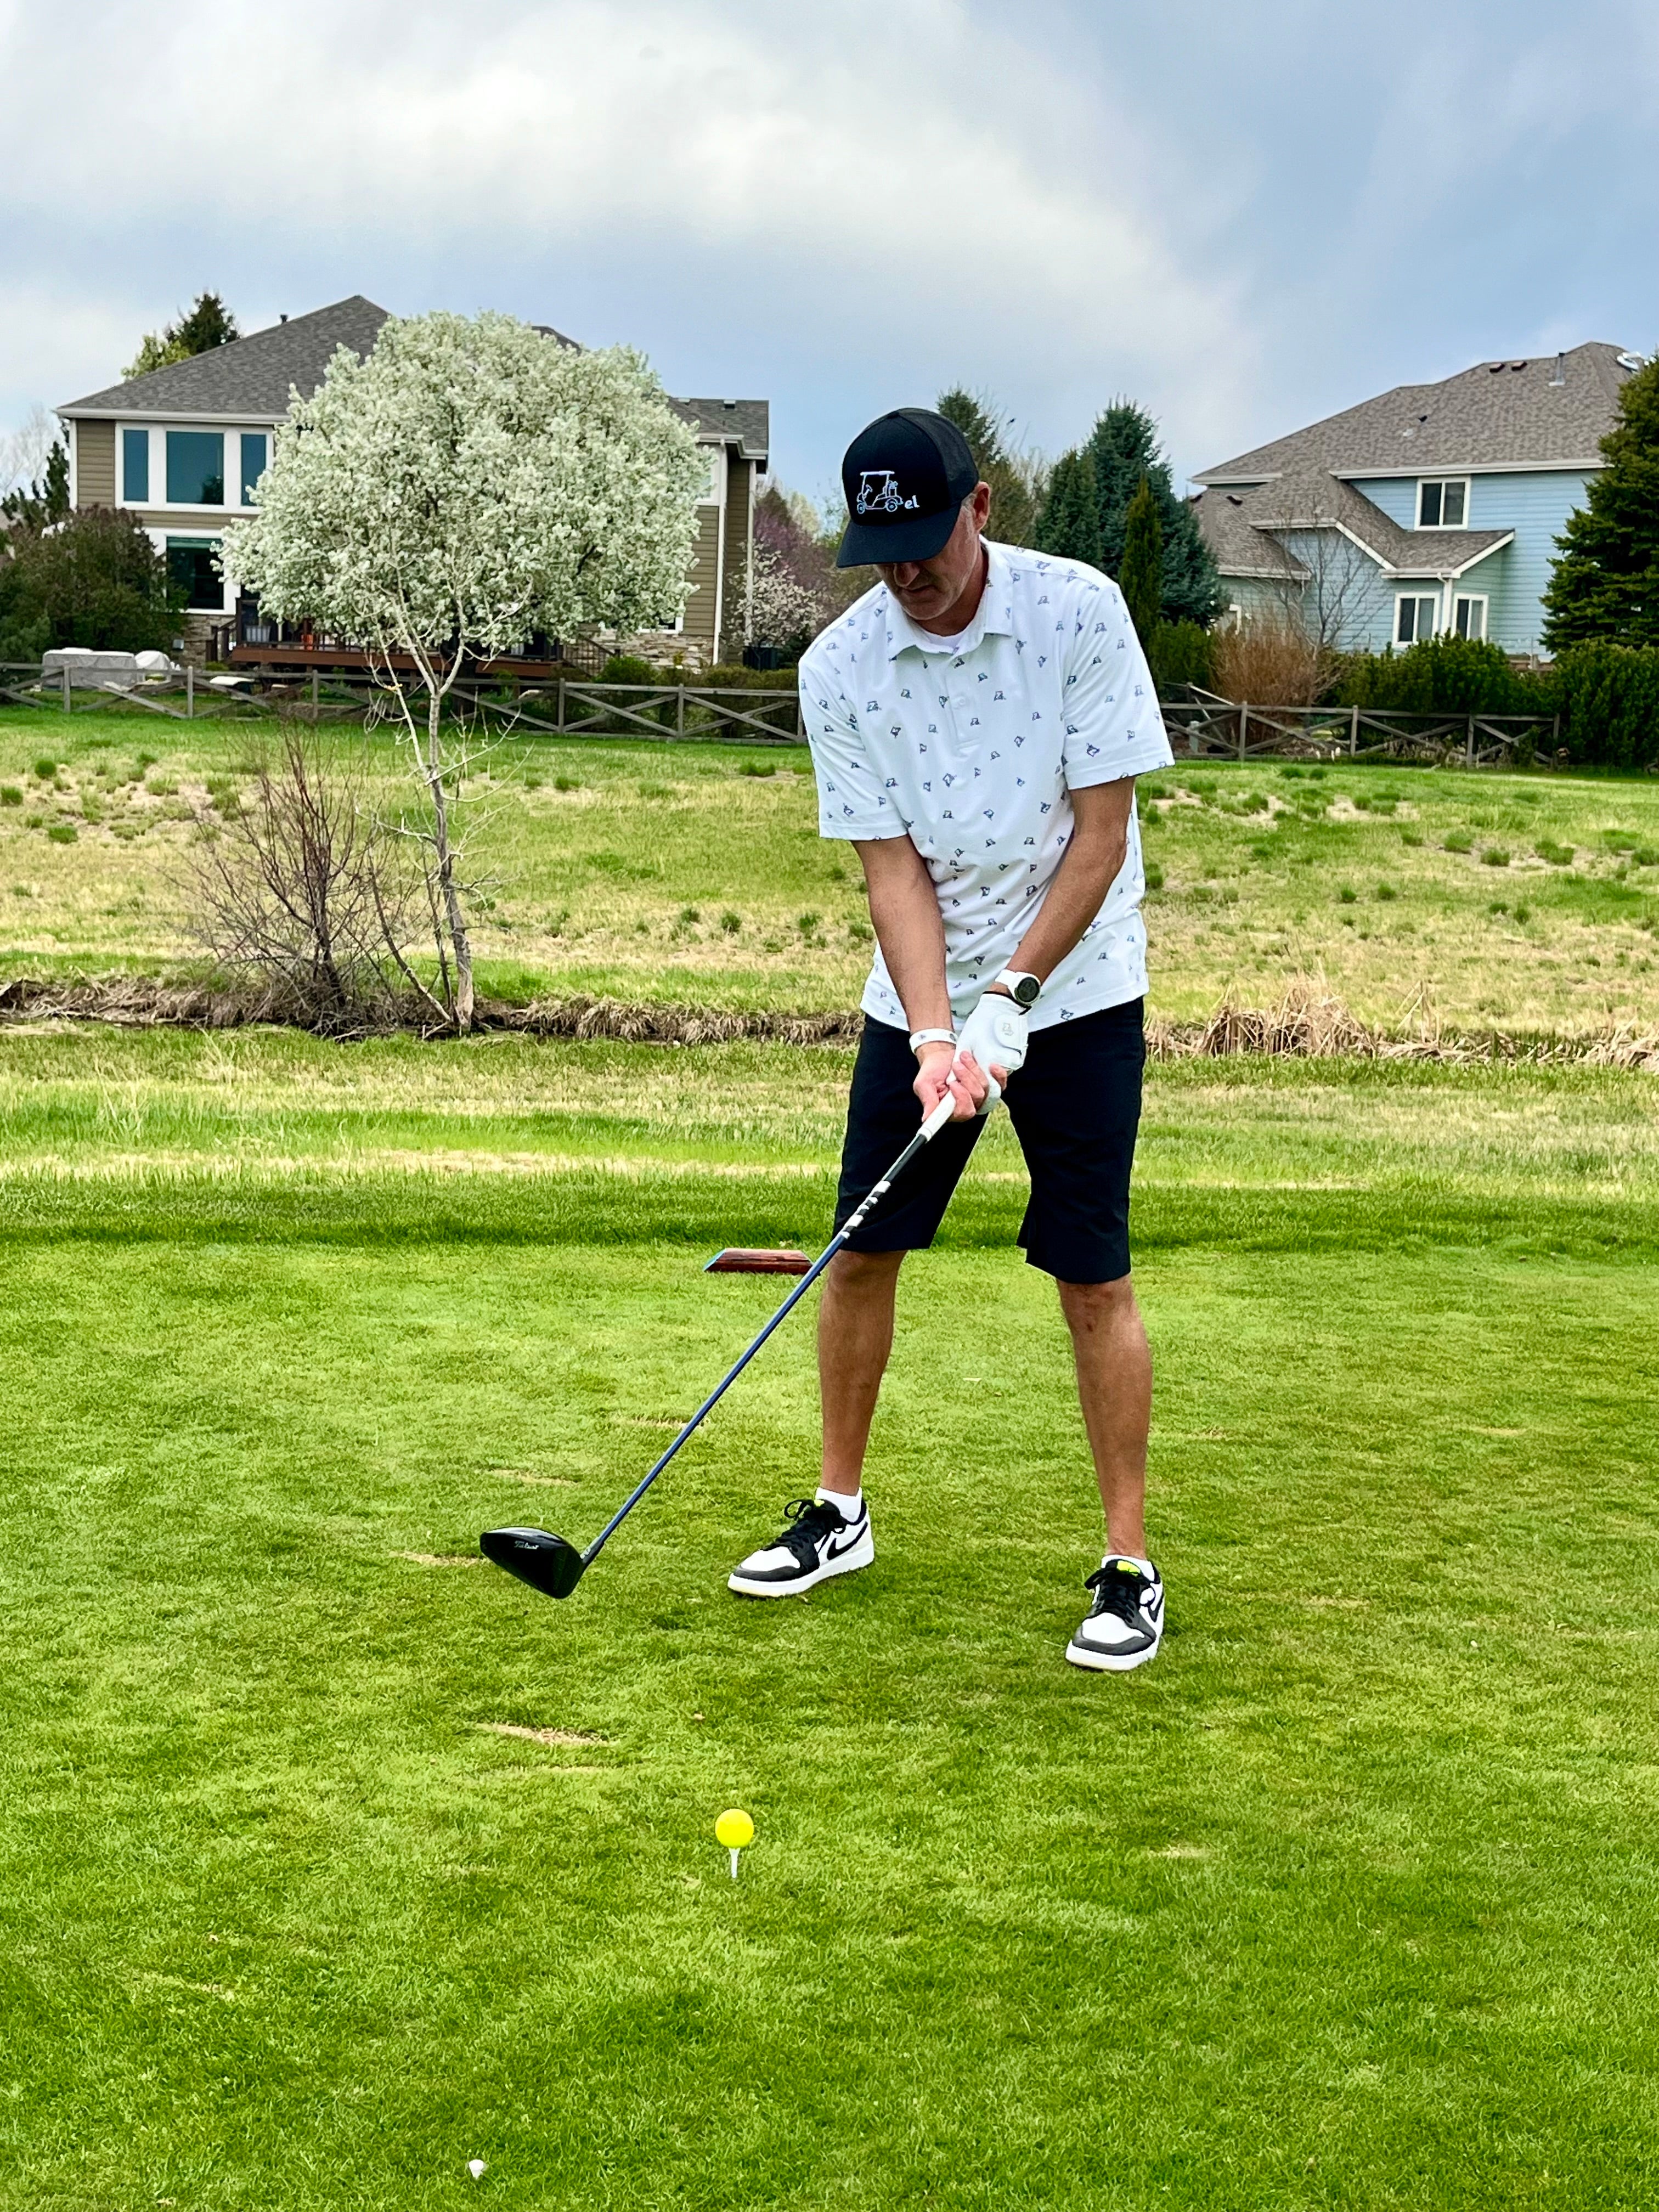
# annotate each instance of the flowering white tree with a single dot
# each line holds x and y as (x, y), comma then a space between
(470, 482)
(782, 610)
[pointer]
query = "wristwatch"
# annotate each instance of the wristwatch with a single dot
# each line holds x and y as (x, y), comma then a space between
(1022, 989)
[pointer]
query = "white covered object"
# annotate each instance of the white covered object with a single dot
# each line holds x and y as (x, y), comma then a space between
(89, 669)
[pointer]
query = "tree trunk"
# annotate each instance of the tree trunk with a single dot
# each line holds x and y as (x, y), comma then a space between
(445, 862)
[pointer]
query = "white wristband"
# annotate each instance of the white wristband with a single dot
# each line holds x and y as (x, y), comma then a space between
(920, 1037)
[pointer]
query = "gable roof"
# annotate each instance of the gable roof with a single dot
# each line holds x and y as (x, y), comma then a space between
(1548, 413)
(747, 422)
(250, 376)
(250, 379)
(1237, 526)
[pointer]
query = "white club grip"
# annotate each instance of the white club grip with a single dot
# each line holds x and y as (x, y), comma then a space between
(940, 1115)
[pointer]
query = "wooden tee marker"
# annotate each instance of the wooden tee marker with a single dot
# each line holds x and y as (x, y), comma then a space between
(738, 1260)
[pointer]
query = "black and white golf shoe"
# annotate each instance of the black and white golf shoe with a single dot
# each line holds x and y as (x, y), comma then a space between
(1124, 1627)
(817, 1542)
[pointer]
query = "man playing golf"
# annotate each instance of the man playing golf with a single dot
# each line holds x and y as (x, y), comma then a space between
(977, 721)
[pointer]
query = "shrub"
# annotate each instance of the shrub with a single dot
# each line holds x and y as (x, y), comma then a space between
(1444, 675)
(46, 767)
(94, 581)
(1608, 699)
(10, 795)
(1272, 664)
(1181, 654)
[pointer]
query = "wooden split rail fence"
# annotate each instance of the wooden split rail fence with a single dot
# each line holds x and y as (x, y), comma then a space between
(1208, 728)
(1201, 728)
(560, 707)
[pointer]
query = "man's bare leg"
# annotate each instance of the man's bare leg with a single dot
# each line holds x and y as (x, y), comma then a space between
(1114, 1385)
(856, 1336)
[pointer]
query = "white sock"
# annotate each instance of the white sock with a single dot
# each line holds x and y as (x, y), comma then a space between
(1145, 1566)
(848, 1507)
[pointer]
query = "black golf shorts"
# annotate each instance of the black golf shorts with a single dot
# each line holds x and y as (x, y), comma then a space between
(1075, 1107)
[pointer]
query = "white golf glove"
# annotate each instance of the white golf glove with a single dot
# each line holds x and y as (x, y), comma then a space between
(995, 1032)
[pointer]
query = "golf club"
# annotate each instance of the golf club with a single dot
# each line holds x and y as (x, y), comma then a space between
(548, 1562)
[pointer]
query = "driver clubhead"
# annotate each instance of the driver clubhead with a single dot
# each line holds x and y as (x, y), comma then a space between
(546, 1563)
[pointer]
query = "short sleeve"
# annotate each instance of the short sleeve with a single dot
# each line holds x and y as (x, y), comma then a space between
(853, 802)
(1113, 728)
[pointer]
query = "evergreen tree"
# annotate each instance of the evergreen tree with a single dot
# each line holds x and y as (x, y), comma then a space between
(1013, 508)
(98, 581)
(1070, 522)
(48, 499)
(1124, 449)
(1141, 573)
(1606, 584)
(209, 324)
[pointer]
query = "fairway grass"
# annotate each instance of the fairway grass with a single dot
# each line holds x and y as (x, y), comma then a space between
(334, 1859)
(695, 873)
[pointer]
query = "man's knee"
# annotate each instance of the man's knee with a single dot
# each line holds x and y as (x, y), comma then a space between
(861, 1274)
(1092, 1306)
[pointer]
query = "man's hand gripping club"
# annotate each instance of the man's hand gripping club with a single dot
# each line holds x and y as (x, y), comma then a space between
(974, 1070)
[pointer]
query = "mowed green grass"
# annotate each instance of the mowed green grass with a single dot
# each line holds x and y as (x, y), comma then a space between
(695, 873)
(1349, 1900)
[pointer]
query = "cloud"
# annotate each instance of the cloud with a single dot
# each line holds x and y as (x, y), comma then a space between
(908, 190)
(1246, 218)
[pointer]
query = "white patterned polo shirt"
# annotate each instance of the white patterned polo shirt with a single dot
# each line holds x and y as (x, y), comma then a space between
(971, 746)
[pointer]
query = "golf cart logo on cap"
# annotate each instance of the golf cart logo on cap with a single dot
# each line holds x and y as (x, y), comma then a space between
(879, 494)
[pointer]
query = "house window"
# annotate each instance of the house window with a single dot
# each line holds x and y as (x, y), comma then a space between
(256, 452)
(1443, 503)
(135, 466)
(1470, 616)
(196, 468)
(190, 566)
(710, 494)
(1414, 616)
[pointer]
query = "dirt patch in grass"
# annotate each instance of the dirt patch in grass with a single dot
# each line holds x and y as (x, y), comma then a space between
(555, 1739)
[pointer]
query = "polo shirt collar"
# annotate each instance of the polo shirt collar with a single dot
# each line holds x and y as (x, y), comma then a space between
(994, 615)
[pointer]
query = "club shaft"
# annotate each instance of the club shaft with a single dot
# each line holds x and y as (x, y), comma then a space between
(854, 1221)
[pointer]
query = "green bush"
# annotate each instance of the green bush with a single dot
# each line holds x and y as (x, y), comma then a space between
(95, 581)
(1181, 654)
(731, 676)
(1608, 699)
(1444, 674)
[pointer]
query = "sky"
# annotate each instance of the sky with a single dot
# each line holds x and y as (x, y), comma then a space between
(1244, 215)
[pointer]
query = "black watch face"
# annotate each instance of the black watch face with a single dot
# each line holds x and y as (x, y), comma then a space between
(1025, 990)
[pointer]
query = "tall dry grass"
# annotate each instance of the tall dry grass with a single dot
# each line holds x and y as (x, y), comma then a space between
(1270, 663)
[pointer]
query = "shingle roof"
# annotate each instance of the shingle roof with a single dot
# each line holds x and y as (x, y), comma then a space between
(1531, 413)
(1239, 548)
(250, 377)
(1237, 526)
(748, 421)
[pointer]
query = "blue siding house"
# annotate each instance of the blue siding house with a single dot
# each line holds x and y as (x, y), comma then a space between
(1434, 507)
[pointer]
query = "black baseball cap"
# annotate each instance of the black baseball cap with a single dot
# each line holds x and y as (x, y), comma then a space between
(905, 478)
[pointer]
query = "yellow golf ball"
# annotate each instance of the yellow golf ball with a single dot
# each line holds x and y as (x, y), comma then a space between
(735, 1829)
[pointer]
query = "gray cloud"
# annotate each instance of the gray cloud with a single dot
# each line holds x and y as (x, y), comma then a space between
(1244, 216)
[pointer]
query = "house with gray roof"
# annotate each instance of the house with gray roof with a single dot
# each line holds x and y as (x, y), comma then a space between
(1434, 507)
(183, 449)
